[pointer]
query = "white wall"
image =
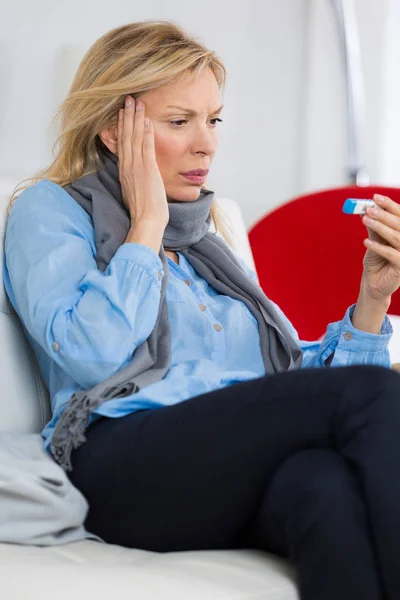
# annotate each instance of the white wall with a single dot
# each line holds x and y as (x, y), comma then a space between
(284, 126)
(324, 135)
(389, 157)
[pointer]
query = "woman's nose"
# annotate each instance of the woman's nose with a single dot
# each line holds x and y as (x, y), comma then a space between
(204, 141)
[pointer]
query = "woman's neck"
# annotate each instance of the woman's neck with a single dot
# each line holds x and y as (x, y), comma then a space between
(173, 256)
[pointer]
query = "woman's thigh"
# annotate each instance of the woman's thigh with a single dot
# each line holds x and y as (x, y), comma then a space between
(192, 475)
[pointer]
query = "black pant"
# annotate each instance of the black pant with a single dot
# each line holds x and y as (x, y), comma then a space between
(305, 464)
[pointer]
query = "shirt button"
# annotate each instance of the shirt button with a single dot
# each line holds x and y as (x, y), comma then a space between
(159, 275)
(347, 336)
(202, 307)
(56, 346)
(218, 327)
(187, 281)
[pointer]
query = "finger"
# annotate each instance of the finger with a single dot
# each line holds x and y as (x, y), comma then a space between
(391, 255)
(385, 217)
(387, 204)
(149, 151)
(374, 236)
(137, 140)
(119, 132)
(387, 233)
(129, 116)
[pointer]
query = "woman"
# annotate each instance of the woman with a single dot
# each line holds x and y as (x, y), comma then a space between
(179, 406)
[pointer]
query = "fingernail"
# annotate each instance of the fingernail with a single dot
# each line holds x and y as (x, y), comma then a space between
(147, 122)
(379, 198)
(139, 105)
(128, 101)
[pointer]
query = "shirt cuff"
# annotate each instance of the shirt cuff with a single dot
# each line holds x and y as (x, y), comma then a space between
(143, 256)
(354, 339)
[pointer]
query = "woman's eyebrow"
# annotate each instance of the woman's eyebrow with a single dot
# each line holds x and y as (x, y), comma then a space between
(192, 112)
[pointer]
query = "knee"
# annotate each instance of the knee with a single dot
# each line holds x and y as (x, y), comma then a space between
(372, 386)
(312, 485)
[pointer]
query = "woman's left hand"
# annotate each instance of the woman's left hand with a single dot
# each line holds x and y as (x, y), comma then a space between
(381, 276)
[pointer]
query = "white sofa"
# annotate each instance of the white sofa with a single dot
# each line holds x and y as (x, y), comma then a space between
(91, 569)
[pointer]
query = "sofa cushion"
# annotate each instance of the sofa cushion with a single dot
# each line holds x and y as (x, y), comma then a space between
(103, 571)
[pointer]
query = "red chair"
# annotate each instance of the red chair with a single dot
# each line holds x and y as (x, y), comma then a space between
(308, 256)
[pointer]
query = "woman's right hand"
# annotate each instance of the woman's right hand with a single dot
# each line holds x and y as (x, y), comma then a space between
(143, 190)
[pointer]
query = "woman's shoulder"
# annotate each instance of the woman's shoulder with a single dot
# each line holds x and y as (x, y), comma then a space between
(42, 194)
(46, 200)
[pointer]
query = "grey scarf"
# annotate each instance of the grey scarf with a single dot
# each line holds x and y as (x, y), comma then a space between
(188, 232)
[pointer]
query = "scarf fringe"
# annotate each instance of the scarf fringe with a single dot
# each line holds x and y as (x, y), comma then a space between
(70, 430)
(69, 433)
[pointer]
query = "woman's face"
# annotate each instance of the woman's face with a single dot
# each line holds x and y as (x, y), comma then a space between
(185, 118)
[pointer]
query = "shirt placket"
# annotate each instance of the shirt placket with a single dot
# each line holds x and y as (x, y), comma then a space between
(204, 306)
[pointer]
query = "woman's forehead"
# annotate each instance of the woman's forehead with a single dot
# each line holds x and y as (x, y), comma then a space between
(196, 93)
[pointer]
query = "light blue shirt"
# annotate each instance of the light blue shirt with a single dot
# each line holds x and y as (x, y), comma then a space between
(84, 325)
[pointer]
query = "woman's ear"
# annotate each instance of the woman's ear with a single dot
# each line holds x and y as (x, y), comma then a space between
(109, 137)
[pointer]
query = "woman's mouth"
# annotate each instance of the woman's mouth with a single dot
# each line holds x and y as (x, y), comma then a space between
(197, 176)
(198, 179)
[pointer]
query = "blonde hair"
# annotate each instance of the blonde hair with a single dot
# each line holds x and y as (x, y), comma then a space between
(129, 59)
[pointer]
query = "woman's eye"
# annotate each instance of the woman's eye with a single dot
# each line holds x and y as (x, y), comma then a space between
(180, 122)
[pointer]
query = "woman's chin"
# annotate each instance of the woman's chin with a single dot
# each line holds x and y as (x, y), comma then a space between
(184, 193)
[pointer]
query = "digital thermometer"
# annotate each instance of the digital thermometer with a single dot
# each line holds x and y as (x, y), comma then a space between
(356, 206)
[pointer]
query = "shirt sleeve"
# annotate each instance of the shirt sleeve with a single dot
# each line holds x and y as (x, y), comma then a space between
(349, 346)
(88, 321)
